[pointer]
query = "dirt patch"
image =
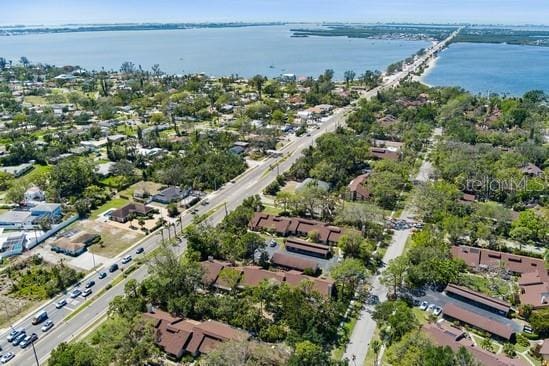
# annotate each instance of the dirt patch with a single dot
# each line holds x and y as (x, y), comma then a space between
(113, 239)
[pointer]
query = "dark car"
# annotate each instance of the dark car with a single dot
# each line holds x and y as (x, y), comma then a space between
(113, 268)
(102, 275)
(139, 250)
(28, 340)
(19, 339)
(90, 284)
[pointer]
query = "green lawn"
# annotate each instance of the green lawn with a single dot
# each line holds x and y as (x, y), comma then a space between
(420, 315)
(271, 210)
(35, 100)
(114, 203)
(490, 286)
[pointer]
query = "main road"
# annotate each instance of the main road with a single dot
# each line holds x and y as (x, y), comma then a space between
(80, 314)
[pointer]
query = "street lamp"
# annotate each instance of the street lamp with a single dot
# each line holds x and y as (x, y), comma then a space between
(35, 356)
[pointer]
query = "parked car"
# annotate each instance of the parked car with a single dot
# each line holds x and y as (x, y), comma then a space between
(126, 259)
(272, 243)
(527, 329)
(437, 311)
(87, 292)
(423, 305)
(113, 268)
(102, 275)
(14, 334)
(47, 326)
(431, 307)
(139, 250)
(75, 293)
(61, 303)
(19, 339)
(372, 300)
(7, 357)
(90, 284)
(28, 340)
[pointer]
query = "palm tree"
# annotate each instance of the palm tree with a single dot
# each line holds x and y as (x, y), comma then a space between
(258, 81)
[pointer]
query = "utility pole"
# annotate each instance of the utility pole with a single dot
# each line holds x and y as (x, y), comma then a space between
(226, 211)
(35, 356)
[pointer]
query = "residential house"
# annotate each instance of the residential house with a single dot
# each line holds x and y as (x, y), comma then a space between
(170, 194)
(307, 248)
(452, 312)
(357, 189)
(444, 334)
(478, 299)
(178, 336)
(285, 226)
(253, 276)
(534, 277)
(123, 214)
(532, 170)
(289, 262)
(384, 153)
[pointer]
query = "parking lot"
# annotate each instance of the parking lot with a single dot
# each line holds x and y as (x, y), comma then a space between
(441, 299)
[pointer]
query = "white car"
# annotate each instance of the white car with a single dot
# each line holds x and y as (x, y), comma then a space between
(431, 307)
(126, 259)
(437, 310)
(423, 305)
(47, 326)
(7, 356)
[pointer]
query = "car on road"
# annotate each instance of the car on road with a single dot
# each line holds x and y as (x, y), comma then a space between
(437, 310)
(87, 292)
(113, 268)
(19, 338)
(90, 284)
(204, 203)
(28, 340)
(102, 275)
(139, 250)
(372, 300)
(431, 307)
(7, 357)
(14, 334)
(126, 259)
(423, 305)
(61, 303)
(47, 326)
(75, 293)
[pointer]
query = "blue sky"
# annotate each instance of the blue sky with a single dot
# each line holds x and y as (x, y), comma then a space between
(109, 11)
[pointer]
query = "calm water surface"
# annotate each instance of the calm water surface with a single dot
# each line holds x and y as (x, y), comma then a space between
(487, 68)
(267, 50)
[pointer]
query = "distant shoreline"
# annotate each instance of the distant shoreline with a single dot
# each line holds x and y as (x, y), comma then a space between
(77, 28)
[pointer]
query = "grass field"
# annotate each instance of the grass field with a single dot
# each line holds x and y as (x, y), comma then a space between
(35, 100)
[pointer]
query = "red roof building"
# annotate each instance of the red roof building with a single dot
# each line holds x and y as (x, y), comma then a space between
(285, 226)
(444, 334)
(357, 188)
(452, 311)
(534, 277)
(177, 336)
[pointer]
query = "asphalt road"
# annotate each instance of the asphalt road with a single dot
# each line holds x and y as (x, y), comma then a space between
(362, 334)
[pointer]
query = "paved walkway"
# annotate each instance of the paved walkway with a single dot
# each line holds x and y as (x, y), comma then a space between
(359, 342)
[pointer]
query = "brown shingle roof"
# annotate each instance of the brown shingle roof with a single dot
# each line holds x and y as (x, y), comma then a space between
(382, 153)
(295, 226)
(478, 297)
(534, 277)
(176, 335)
(445, 335)
(303, 245)
(453, 311)
(134, 207)
(357, 185)
(287, 261)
